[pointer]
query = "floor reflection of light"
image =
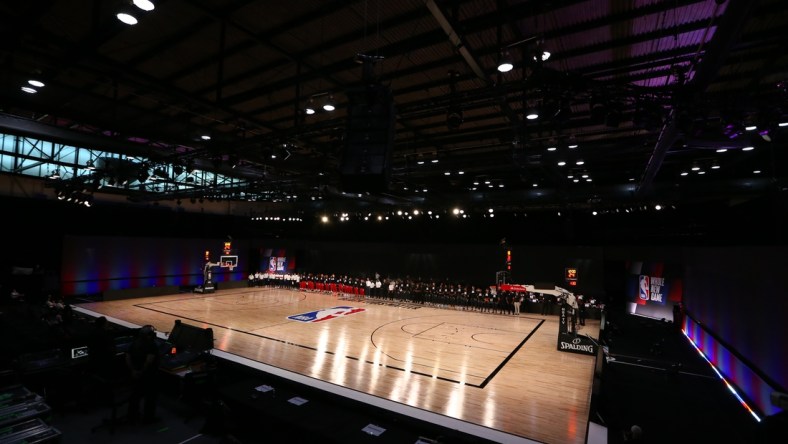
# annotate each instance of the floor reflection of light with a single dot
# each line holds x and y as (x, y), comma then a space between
(488, 410)
(398, 388)
(464, 368)
(226, 339)
(437, 367)
(414, 390)
(376, 358)
(572, 422)
(361, 363)
(320, 353)
(338, 367)
(409, 358)
(374, 375)
(456, 402)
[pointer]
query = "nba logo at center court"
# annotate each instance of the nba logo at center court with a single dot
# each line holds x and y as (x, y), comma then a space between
(644, 287)
(325, 314)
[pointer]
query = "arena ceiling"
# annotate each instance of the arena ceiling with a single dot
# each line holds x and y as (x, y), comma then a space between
(639, 103)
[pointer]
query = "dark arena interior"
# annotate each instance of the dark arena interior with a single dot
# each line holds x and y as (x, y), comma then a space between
(421, 221)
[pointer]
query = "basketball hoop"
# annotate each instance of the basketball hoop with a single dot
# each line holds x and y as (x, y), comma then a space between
(229, 262)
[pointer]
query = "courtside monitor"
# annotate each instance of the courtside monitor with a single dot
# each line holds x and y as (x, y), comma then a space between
(185, 337)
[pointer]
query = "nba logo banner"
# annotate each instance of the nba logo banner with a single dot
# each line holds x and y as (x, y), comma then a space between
(644, 288)
(325, 314)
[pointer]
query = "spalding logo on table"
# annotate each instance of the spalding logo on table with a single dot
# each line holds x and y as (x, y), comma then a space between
(325, 314)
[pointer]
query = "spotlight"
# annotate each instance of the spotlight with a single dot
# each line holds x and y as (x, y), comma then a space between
(29, 90)
(310, 107)
(145, 5)
(532, 114)
(126, 15)
(36, 83)
(505, 62)
(329, 104)
(540, 53)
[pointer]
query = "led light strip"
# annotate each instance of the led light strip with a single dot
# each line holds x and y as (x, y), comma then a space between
(727, 384)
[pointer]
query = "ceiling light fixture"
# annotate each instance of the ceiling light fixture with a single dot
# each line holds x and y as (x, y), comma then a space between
(126, 15)
(310, 107)
(540, 53)
(145, 5)
(36, 83)
(329, 105)
(505, 62)
(29, 90)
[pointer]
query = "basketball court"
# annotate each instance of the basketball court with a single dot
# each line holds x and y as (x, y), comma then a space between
(499, 377)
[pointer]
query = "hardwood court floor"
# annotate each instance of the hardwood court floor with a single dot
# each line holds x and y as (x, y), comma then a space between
(498, 371)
